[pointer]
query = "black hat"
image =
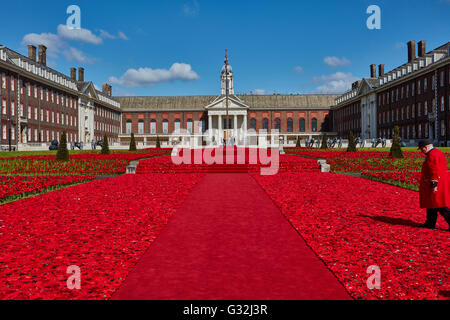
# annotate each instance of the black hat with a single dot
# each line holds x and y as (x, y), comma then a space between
(423, 143)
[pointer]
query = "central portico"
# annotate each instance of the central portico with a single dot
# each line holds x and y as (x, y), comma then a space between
(227, 106)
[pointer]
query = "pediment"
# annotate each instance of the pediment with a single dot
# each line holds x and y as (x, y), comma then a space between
(233, 103)
(364, 88)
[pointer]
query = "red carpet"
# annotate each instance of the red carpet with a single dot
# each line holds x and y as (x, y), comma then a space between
(229, 241)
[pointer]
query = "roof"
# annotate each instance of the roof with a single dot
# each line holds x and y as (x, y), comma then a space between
(200, 102)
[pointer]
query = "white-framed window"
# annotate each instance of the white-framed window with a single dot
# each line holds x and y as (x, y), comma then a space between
(28, 89)
(442, 104)
(13, 108)
(140, 127)
(35, 113)
(53, 117)
(189, 126)
(22, 112)
(35, 91)
(29, 112)
(425, 84)
(4, 131)
(35, 134)
(128, 127)
(442, 127)
(4, 80)
(442, 78)
(165, 126)
(425, 108)
(42, 115)
(3, 106)
(13, 83)
(153, 126)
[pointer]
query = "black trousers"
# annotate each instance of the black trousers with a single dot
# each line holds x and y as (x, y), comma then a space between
(432, 215)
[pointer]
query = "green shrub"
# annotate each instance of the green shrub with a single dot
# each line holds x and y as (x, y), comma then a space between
(396, 149)
(158, 143)
(63, 152)
(351, 142)
(132, 143)
(324, 141)
(105, 146)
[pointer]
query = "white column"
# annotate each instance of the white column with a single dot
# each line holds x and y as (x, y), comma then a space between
(220, 128)
(235, 127)
(244, 133)
(210, 126)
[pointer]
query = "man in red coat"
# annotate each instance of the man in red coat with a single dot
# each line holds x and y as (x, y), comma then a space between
(434, 189)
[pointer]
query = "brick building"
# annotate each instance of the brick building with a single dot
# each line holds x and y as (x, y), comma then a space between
(292, 115)
(38, 103)
(414, 96)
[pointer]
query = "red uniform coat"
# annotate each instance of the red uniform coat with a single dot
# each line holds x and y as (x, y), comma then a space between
(435, 169)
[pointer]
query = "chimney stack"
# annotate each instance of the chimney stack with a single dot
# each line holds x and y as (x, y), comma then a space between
(381, 70)
(32, 52)
(107, 89)
(81, 74)
(373, 70)
(42, 54)
(411, 50)
(73, 73)
(422, 48)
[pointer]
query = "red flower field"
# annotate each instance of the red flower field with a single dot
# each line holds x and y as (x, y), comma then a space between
(14, 186)
(102, 226)
(353, 223)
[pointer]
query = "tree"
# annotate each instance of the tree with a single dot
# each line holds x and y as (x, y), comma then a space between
(63, 152)
(351, 142)
(396, 149)
(105, 146)
(132, 143)
(298, 142)
(158, 143)
(324, 141)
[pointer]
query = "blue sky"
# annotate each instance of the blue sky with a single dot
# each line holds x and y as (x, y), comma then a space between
(177, 47)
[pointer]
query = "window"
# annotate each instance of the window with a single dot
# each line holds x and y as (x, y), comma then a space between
(290, 125)
(442, 78)
(253, 124)
(4, 81)
(165, 126)
(189, 126)
(266, 124)
(141, 127)
(314, 125)
(442, 128)
(278, 124)
(128, 126)
(442, 104)
(153, 126)
(425, 84)
(35, 113)
(302, 125)
(4, 131)
(177, 125)
(3, 106)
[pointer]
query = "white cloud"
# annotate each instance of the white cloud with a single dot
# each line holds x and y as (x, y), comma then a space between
(336, 62)
(122, 36)
(191, 9)
(73, 54)
(259, 92)
(147, 77)
(400, 45)
(338, 82)
(81, 35)
(51, 41)
(106, 35)
(299, 69)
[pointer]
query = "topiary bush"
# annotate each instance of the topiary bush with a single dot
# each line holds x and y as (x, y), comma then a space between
(62, 153)
(132, 143)
(351, 142)
(105, 146)
(396, 149)
(324, 142)
(158, 143)
(298, 145)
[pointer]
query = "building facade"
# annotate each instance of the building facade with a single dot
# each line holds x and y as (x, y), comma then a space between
(293, 116)
(38, 104)
(414, 96)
